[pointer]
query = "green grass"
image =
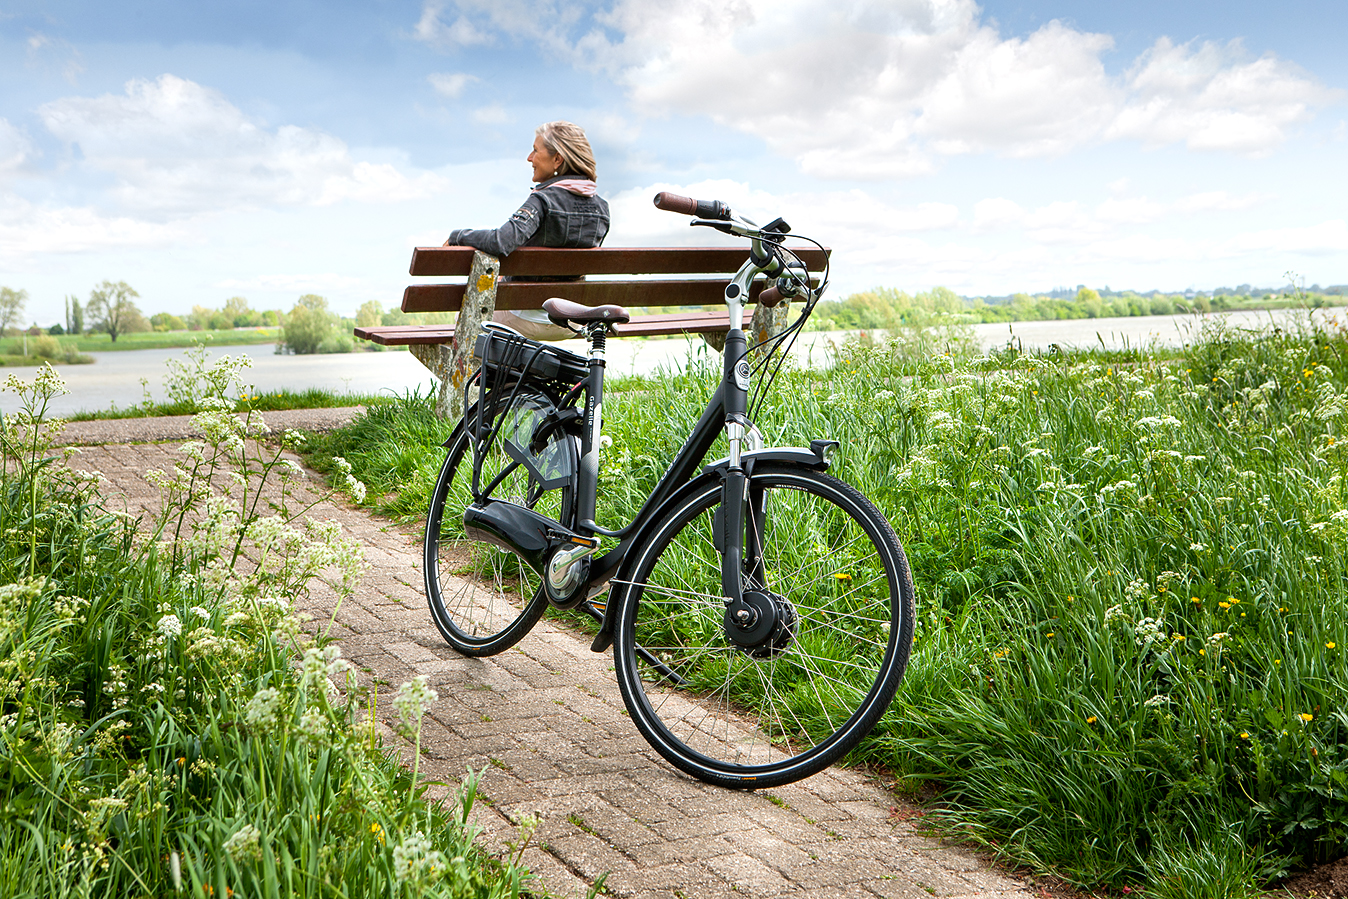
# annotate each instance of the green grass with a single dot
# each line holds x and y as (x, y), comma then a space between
(17, 360)
(1132, 584)
(281, 400)
(166, 726)
(154, 340)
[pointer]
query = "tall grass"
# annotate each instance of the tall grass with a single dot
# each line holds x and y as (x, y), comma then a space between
(1129, 664)
(167, 727)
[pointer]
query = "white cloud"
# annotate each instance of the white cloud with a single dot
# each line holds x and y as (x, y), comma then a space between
(997, 212)
(470, 22)
(52, 53)
(1311, 240)
(1074, 222)
(450, 85)
(15, 148)
(1210, 99)
(176, 148)
(27, 231)
(432, 30)
(884, 89)
(491, 115)
(294, 283)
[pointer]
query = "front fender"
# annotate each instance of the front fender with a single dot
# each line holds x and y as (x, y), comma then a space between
(817, 455)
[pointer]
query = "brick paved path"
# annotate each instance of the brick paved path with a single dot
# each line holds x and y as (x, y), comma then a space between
(547, 723)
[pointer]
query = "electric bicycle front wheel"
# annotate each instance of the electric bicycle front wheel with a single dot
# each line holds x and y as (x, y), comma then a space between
(772, 704)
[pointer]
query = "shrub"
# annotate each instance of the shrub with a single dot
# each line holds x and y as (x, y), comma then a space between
(308, 325)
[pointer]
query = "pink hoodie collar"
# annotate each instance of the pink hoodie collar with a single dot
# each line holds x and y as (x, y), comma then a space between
(581, 187)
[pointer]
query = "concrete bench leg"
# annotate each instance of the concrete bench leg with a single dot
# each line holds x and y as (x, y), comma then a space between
(767, 321)
(453, 364)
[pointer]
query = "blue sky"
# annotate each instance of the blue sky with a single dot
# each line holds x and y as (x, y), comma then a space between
(201, 151)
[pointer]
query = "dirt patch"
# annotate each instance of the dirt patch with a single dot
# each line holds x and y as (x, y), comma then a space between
(1322, 882)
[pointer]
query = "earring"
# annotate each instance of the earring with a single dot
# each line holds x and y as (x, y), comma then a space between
(555, 171)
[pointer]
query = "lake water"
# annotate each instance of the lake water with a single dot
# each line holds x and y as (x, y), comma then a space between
(115, 378)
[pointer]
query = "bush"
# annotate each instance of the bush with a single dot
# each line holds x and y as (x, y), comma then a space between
(308, 326)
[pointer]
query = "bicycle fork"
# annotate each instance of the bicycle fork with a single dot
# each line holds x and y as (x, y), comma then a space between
(745, 613)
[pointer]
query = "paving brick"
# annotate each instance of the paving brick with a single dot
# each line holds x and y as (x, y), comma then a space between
(549, 713)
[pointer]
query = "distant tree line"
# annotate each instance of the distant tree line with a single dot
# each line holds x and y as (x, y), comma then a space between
(886, 308)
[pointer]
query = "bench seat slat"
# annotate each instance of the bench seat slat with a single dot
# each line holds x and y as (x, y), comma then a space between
(452, 261)
(641, 326)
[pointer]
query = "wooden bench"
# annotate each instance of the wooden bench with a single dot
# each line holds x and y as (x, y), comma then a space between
(446, 349)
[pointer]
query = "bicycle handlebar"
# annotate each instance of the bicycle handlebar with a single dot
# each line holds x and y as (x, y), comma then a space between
(703, 209)
(766, 255)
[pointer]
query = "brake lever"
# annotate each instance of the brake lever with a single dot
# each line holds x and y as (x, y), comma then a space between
(743, 228)
(723, 227)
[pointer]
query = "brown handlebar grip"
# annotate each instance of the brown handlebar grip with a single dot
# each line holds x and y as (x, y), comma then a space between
(675, 203)
(770, 297)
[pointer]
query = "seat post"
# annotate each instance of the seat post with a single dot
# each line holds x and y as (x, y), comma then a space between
(588, 484)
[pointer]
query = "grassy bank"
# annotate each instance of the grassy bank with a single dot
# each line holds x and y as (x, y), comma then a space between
(1129, 665)
(277, 401)
(167, 724)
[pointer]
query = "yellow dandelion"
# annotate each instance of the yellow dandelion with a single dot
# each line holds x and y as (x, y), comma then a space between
(1202, 652)
(1049, 634)
(1244, 735)
(1179, 637)
(1307, 717)
(843, 576)
(1195, 600)
(1329, 645)
(1090, 720)
(1277, 661)
(1224, 605)
(1071, 598)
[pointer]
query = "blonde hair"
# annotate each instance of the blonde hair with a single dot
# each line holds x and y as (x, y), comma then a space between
(569, 142)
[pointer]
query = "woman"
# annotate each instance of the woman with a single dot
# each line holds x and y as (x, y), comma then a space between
(564, 210)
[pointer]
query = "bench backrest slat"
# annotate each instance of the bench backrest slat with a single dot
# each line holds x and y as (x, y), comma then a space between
(452, 261)
(526, 295)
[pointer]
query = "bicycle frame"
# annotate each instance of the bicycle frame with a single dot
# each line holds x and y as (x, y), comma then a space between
(726, 412)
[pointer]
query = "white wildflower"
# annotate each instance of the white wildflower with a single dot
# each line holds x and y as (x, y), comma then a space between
(1149, 631)
(416, 863)
(170, 626)
(411, 702)
(262, 709)
(245, 844)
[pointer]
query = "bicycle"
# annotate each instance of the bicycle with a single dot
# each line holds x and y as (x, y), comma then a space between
(760, 609)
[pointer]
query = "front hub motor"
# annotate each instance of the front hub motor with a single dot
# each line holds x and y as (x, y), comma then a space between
(762, 625)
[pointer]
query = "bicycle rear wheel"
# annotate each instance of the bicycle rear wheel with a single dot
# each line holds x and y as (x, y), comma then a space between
(779, 707)
(484, 598)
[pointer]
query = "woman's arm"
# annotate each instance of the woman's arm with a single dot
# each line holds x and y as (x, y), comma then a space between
(506, 239)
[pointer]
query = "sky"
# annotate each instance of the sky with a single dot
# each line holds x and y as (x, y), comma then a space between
(199, 151)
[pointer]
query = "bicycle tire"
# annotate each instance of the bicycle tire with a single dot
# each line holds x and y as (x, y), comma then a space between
(482, 598)
(745, 721)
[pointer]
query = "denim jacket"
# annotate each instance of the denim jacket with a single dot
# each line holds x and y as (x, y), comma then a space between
(553, 216)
